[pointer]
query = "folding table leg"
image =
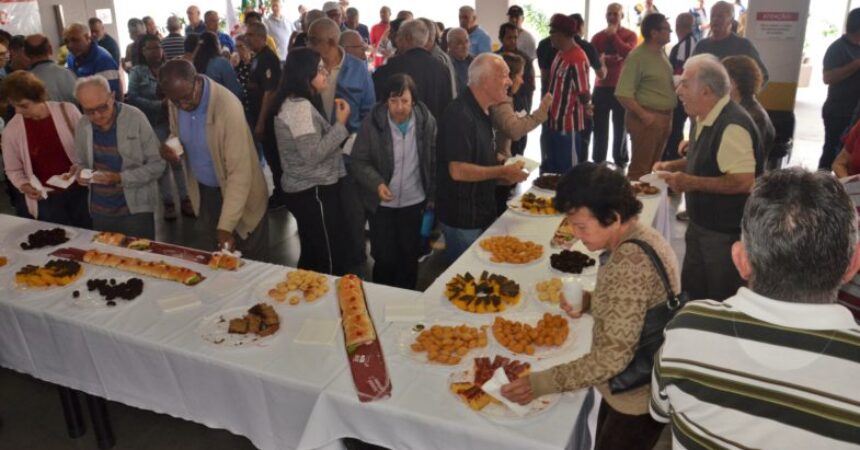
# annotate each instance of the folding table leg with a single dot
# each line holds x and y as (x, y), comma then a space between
(101, 422)
(72, 412)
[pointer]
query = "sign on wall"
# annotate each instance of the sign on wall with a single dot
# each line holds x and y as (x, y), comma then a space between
(20, 16)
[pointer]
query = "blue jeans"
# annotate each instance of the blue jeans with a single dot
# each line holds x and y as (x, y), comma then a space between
(458, 240)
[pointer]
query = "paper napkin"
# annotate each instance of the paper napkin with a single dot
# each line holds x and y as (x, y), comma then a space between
(409, 312)
(318, 331)
(493, 387)
(178, 303)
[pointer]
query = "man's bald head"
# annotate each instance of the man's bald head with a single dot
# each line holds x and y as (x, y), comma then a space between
(37, 46)
(176, 70)
(324, 28)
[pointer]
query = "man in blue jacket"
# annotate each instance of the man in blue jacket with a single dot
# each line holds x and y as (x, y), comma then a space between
(86, 58)
(213, 23)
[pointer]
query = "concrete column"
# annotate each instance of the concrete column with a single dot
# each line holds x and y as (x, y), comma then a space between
(75, 11)
(491, 15)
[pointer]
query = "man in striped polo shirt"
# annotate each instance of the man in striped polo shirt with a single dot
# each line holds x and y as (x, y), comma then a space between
(777, 365)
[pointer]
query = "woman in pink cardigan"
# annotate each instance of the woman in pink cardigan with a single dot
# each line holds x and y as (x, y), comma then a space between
(38, 143)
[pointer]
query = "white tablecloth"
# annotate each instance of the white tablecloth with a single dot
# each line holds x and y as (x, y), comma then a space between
(138, 355)
(281, 395)
(422, 413)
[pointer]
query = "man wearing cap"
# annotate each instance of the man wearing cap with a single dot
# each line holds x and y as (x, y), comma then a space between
(525, 41)
(647, 92)
(479, 40)
(614, 44)
(569, 85)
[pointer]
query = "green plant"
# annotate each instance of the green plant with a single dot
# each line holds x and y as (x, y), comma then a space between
(537, 19)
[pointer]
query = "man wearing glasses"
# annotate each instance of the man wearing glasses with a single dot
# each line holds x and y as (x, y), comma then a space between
(225, 182)
(116, 142)
(647, 92)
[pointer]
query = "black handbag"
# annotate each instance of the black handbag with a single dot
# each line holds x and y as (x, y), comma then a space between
(638, 372)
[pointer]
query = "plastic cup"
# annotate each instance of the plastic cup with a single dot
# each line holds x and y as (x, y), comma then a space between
(174, 143)
(571, 291)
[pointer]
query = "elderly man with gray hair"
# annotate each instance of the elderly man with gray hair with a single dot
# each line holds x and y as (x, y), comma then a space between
(458, 50)
(723, 159)
(776, 365)
(431, 76)
(467, 170)
(119, 150)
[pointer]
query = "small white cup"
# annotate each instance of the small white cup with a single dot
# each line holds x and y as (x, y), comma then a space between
(86, 174)
(571, 291)
(174, 143)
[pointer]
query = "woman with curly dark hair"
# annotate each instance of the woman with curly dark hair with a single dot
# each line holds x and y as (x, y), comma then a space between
(208, 61)
(604, 214)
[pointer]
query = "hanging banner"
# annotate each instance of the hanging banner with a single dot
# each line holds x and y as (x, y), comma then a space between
(20, 16)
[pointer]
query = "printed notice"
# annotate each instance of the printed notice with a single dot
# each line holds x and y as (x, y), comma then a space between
(776, 24)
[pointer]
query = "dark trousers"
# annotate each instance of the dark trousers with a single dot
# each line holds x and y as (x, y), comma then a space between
(625, 432)
(708, 271)
(605, 103)
(70, 207)
(270, 153)
(395, 241)
(679, 120)
(352, 208)
(255, 246)
(320, 220)
(583, 140)
(140, 225)
(834, 127)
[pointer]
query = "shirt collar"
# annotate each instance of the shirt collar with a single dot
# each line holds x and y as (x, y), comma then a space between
(809, 316)
(712, 115)
(396, 126)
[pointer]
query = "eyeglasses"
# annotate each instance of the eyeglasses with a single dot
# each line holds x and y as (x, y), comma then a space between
(98, 110)
(187, 99)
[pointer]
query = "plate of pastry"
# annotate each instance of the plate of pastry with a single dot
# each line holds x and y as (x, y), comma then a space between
(530, 204)
(53, 274)
(46, 236)
(104, 293)
(486, 294)
(508, 250)
(533, 335)
(443, 343)
(467, 386)
(546, 183)
(241, 326)
(295, 288)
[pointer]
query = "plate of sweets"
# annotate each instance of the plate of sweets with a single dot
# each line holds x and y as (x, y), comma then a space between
(477, 388)
(241, 326)
(42, 238)
(530, 204)
(443, 343)
(486, 294)
(55, 273)
(108, 293)
(547, 183)
(533, 334)
(573, 262)
(509, 250)
(296, 288)
(644, 190)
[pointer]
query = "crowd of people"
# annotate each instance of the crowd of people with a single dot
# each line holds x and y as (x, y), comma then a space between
(405, 121)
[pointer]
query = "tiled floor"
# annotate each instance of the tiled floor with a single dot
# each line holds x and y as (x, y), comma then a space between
(30, 410)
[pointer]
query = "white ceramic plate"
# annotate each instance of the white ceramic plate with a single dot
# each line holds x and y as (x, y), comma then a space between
(87, 272)
(515, 206)
(261, 292)
(409, 333)
(541, 352)
(486, 256)
(498, 412)
(213, 329)
(515, 307)
(20, 234)
(92, 300)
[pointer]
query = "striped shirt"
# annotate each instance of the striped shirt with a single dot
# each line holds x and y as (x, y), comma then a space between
(97, 61)
(753, 372)
(174, 46)
(570, 90)
(681, 52)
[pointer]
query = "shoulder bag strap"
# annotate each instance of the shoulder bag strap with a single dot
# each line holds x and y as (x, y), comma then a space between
(671, 298)
(66, 118)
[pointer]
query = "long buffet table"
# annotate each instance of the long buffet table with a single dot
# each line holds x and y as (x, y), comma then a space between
(280, 394)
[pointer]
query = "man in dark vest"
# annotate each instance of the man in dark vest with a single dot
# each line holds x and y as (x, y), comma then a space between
(723, 159)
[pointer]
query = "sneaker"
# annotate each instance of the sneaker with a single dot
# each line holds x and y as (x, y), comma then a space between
(187, 209)
(683, 216)
(169, 212)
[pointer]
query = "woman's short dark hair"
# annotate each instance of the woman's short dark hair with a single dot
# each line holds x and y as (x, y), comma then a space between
(744, 71)
(191, 42)
(142, 43)
(23, 85)
(398, 84)
(605, 192)
(300, 68)
(651, 22)
(208, 49)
